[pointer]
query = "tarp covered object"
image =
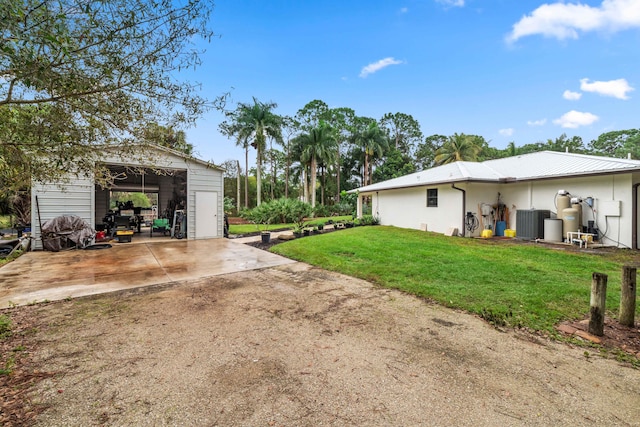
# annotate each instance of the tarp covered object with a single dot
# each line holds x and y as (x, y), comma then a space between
(57, 231)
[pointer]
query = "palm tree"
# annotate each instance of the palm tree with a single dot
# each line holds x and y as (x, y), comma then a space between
(318, 145)
(459, 147)
(257, 122)
(234, 129)
(373, 142)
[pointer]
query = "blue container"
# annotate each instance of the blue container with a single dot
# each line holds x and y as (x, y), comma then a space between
(500, 227)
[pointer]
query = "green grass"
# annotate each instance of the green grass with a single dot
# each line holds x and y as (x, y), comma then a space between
(252, 228)
(506, 283)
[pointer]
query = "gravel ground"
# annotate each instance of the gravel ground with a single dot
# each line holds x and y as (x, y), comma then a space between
(300, 346)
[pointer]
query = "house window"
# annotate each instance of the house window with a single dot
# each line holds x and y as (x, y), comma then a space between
(432, 198)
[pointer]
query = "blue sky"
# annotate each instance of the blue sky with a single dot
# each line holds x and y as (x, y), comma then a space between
(509, 70)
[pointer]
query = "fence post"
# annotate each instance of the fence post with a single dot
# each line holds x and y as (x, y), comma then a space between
(628, 296)
(598, 303)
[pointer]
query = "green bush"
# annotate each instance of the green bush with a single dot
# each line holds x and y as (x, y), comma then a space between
(281, 211)
(368, 220)
(321, 211)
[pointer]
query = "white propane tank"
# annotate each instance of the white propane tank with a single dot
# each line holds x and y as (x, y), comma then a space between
(562, 202)
(569, 221)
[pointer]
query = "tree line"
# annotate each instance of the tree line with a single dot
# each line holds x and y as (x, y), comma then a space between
(319, 152)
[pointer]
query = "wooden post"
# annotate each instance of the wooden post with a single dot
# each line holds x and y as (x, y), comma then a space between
(628, 296)
(598, 303)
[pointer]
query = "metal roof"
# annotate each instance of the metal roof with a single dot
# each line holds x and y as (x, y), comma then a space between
(526, 167)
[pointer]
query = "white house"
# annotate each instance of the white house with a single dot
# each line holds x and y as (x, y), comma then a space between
(194, 183)
(438, 199)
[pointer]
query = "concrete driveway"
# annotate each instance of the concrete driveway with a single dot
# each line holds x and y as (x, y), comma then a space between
(40, 276)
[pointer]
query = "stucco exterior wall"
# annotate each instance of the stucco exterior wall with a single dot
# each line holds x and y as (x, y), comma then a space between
(407, 207)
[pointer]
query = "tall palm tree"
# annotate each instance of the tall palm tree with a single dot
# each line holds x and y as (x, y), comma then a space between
(257, 122)
(318, 145)
(233, 128)
(458, 147)
(373, 142)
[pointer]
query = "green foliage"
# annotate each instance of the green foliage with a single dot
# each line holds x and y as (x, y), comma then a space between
(368, 220)
(281, 210)
(74, 77)
(403, 132)
(140, 200)
(229, 205)
(459, 147)
(394, 165)
(251, 125)
(167, 136)
(507, 283)
(321, 210)
(618, 144)
(264, 214)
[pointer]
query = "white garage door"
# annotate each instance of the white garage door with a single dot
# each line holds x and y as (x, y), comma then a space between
(206, 214)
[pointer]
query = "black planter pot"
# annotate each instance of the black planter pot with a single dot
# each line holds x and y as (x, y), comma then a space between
(266, 237)
(307, 232)
(297, 234)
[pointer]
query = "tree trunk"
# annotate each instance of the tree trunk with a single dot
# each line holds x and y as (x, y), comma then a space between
(305, 187)
(246, 177)
(286, 174)
(313, 173)
(338, 180)
(238, 189)
(322, 184)
(259, 178)
(366, 168)
(273, 171)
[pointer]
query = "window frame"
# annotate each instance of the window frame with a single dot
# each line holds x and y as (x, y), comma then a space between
(432, 200)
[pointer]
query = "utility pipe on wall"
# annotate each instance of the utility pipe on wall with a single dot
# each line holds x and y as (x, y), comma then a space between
(464, 206)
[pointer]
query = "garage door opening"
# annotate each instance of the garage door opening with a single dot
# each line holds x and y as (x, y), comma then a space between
(146, 202)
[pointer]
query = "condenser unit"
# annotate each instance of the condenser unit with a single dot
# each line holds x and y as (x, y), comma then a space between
(530, 223)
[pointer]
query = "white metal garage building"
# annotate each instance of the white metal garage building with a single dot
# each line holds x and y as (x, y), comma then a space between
(194, 183)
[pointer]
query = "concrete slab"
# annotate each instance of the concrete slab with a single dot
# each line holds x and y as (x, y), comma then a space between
(40, 276)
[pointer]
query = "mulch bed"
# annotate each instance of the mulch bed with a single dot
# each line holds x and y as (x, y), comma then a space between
(616, 336)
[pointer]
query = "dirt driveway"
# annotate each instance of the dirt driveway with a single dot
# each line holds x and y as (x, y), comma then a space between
(299, 346)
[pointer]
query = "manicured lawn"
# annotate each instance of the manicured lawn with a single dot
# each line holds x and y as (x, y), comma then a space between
(252, 228)
(508, 283)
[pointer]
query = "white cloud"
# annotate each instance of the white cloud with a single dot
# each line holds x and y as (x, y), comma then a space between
(451, 3)
(565, 20)
(506, 132)
(574, 119)
(615, 88)
(404, 10)
(377, 66)
(571, 96)
(540, 122)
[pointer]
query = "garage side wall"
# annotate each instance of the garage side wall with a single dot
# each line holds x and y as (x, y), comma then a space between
(202, 178)
(74, 198)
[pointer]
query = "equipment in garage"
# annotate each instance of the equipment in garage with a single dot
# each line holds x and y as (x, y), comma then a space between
(160, 225)
(66, 232)
(123, 229)
(179, 228)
